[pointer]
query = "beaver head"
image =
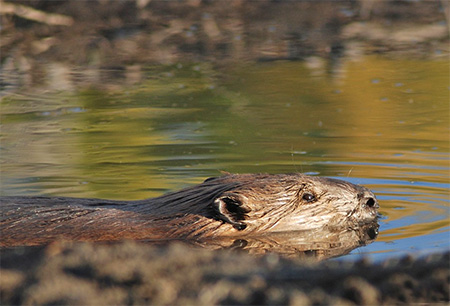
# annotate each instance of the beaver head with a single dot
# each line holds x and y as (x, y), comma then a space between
(288, 202)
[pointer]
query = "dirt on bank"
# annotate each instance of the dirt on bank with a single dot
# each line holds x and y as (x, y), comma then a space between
(133, 273)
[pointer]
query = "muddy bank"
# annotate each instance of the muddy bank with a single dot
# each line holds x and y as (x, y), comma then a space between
(132, 273)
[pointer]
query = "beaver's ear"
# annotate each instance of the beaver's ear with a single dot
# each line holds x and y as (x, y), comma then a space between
(232, 208)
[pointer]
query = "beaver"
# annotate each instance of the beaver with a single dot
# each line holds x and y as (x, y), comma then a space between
(232, 205)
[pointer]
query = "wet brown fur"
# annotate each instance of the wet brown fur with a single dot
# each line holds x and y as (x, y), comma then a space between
(231, 205)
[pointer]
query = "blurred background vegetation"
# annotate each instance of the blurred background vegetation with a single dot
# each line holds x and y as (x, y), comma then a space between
(124, 36)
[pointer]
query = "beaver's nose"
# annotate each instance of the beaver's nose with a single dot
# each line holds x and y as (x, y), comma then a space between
(370, 202)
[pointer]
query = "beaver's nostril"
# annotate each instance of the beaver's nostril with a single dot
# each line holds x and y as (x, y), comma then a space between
(370, 202)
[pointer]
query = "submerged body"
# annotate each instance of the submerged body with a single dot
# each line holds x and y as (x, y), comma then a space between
(227, 206)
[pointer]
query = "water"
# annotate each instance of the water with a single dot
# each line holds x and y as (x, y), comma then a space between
(374, 121)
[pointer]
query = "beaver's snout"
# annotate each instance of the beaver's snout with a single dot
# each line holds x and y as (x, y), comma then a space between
(368, 206)
(370, 203)
(368, 199)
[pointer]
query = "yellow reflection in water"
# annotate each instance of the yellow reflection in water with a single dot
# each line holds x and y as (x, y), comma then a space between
(412, 230)
(368, 110)
(374, 114)
(383, 120)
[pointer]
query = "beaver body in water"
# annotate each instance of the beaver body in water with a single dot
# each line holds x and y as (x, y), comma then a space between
(226, 206)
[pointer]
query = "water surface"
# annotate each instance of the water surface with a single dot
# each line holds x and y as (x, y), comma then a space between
(374, 121)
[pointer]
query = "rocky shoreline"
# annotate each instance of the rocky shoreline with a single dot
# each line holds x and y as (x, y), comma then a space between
(133, 273)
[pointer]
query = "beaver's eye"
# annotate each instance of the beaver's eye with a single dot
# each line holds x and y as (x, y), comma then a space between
(308, 197)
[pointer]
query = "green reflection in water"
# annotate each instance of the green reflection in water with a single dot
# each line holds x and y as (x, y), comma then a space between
(373, 118)
(271, 117)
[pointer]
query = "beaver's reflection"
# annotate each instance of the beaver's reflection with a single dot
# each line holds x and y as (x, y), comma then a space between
(319, 244)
